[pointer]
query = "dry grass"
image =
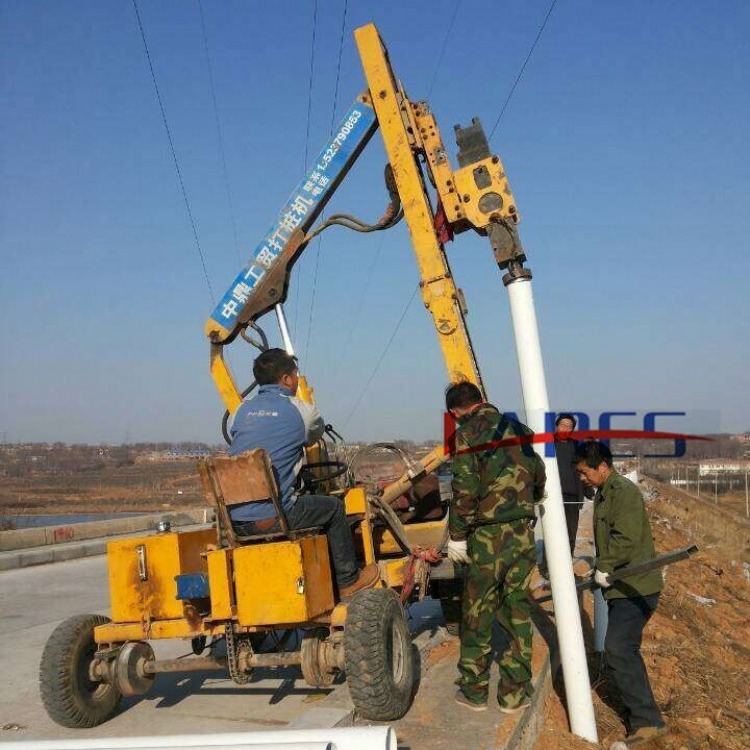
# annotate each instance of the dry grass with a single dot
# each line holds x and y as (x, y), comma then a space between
(142, 487)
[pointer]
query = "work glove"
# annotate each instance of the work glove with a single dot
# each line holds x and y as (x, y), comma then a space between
(602, 579)
(458, 552)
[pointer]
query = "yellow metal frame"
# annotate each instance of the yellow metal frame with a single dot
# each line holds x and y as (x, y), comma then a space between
(223, 379)
(458, 191)
(119, 632)
(398, 128)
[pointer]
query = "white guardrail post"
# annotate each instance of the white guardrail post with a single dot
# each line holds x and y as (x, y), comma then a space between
(557, 549)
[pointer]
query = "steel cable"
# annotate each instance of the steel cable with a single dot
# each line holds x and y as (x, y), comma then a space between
(333, 123)
(220, 135)
(523, 68)
(174, 153)
(381, 357)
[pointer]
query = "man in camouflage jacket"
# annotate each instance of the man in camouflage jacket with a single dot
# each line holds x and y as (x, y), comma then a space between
(491, 530)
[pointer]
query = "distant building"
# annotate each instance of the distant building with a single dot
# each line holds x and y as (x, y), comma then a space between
(712, 466)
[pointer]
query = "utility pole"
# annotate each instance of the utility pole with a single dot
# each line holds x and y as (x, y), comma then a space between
(716, 487)
(747, 501)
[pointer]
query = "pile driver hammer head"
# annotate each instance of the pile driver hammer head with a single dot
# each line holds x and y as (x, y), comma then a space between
(496, 211)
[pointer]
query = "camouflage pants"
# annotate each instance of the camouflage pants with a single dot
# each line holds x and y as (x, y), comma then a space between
(496, 587)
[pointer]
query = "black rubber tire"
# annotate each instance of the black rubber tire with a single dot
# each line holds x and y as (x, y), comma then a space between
(378, 655)
(70, 698)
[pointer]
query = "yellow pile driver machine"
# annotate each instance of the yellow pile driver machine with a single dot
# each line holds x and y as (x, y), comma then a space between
(210, 587)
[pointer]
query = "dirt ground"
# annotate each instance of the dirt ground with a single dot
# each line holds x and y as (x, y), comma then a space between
(696, 647)
(697, 651)
(145, 487)
(148, 487)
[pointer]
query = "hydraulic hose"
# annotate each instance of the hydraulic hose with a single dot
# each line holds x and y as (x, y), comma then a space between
(392, 215)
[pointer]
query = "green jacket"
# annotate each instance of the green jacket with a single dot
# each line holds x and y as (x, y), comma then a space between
(492, 485)
(622, 534)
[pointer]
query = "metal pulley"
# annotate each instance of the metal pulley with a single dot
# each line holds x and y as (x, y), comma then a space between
(129, 675)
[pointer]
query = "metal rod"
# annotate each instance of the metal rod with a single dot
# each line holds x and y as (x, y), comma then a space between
(285, 337)
(280, 659)
(206, 663)
(190, 664)
(631, 570)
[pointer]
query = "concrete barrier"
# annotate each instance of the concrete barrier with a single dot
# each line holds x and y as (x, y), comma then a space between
(73, 532)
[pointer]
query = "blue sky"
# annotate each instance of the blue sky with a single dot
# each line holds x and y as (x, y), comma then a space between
(625, 143)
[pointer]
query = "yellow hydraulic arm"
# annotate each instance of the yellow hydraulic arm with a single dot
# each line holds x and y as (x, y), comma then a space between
(474, 196)
(402, 144)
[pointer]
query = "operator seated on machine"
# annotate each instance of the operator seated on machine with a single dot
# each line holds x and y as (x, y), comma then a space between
(282, 424)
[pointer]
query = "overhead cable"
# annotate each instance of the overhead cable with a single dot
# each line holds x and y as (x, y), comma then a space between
(174, 154)
(443, 48)
(307, 142)
(220, 136)
(362, 297)
(310, 82)
(333, 123)
(381, 358)
(312, 298)
(338, 66)
(523, 67)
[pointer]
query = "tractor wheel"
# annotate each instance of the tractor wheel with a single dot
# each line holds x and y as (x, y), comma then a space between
(70, 696)
(378, 655)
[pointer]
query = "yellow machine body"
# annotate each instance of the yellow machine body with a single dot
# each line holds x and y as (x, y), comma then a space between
(142, 573)
(282, 582)
(258, 586)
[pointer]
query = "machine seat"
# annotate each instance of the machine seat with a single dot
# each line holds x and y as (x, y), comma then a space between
(236, 480)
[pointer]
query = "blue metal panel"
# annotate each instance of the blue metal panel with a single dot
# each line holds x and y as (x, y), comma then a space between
(192, 586)
(303, 206)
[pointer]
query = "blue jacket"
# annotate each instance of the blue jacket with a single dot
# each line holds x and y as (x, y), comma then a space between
(282, 424)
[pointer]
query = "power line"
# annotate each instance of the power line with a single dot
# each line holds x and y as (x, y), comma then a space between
(338, 65)
(307, 142)
(310, 83)
(444, 47)
(523, 67)
(174, 153)
(381, 357)
(222, 155)
(333, 123)
(362, 297)
(312, 298)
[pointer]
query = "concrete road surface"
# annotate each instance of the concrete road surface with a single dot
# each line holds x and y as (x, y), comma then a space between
(33, 601)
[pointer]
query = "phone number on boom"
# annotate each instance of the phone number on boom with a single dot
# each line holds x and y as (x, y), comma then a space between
(337, 142)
